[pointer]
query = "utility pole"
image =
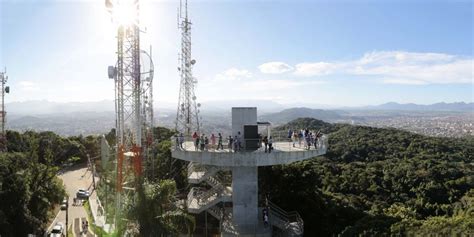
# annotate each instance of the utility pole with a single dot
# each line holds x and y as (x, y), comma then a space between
(92, 168)
(67, 214)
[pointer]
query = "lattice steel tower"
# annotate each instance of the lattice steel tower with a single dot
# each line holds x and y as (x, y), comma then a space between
(128, 96)
(3, 113)
(147, 72)
(187, 117)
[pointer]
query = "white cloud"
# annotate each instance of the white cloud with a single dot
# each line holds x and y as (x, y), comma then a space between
(403, 81)
(277, 84)
(28, 86)
(275, 67)
(399, 67)
(415, 68)
(315, 69)
(233, 74)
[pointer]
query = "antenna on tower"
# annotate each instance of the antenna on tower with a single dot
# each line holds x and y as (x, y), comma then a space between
(187, 117)
(186, 9)
(3, 113)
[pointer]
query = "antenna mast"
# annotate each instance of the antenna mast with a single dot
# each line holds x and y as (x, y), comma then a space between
(3, 113)
(187, 117)
(128, 100)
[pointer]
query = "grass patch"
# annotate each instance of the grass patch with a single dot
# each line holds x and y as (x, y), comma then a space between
(96, 229)
(69, 231)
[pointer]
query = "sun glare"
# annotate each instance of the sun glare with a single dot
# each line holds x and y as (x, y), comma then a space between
(124, 12)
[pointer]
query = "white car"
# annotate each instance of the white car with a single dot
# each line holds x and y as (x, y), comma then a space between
(57, 230)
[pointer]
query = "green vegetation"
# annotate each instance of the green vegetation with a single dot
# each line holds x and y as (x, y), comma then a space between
(378, 182)
(156, 210)
(371, 182)
(53, 149)
(157, 213)
(97, 230)
(29, 187)
(28, 191)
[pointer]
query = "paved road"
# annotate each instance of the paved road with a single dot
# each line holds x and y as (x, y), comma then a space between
(73, 180)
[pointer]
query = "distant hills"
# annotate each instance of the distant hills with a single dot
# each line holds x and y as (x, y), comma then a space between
(290, 114)
(41, 107)
(73, 118)
(457, 106)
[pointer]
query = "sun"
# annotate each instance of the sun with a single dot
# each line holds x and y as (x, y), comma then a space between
(123, 12)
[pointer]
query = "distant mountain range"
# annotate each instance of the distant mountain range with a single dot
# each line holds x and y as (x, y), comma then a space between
(42, 107)
(457, 106)
(72, 118)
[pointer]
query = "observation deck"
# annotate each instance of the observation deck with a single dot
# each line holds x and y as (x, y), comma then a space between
(231, 172)
(283, 153)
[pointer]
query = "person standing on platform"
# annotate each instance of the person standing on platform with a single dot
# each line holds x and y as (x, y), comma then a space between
(270, 144)
(231, 143)
(219, 142)
(213, 141)
(265, 143)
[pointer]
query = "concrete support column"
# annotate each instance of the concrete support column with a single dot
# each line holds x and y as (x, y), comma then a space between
(245, 198)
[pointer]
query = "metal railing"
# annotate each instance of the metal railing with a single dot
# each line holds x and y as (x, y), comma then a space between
(207, 170)
(287, 221)
(225, 218)
(205, 198)
(279, 144)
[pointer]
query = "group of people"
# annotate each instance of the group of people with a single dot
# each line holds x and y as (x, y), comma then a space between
(308, 137)
(304, 138)
(204, 143)
(85, 226)
(77, 202)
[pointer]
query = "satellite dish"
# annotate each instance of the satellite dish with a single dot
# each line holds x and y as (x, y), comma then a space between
(193, 62)
(199, 104)
(194, 97)
(112, 72)
(147, 67)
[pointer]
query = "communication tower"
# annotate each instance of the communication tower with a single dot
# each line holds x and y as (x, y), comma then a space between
(128, 99)
(187, 117)
(147, 72)
(3, 113)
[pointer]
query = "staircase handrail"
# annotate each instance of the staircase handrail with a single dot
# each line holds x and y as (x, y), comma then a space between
(286, 217)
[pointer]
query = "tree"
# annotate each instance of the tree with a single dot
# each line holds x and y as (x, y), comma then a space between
(157, 212)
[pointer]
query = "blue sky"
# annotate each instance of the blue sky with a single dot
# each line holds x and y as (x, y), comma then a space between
(291, 52)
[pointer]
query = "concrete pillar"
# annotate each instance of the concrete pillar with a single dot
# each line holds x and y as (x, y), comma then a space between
(245, 198)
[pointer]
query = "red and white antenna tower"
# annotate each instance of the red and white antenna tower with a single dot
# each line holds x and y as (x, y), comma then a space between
(128, 99)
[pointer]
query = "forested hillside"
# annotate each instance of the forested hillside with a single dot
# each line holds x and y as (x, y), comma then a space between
(29, 187)
(371, 181)
(378, 182)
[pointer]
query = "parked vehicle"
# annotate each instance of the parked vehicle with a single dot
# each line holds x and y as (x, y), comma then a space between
(82, 194)
(64, 204)
(58, 230)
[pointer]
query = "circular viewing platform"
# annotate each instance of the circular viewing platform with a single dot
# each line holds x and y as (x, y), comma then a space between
(283, 152)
